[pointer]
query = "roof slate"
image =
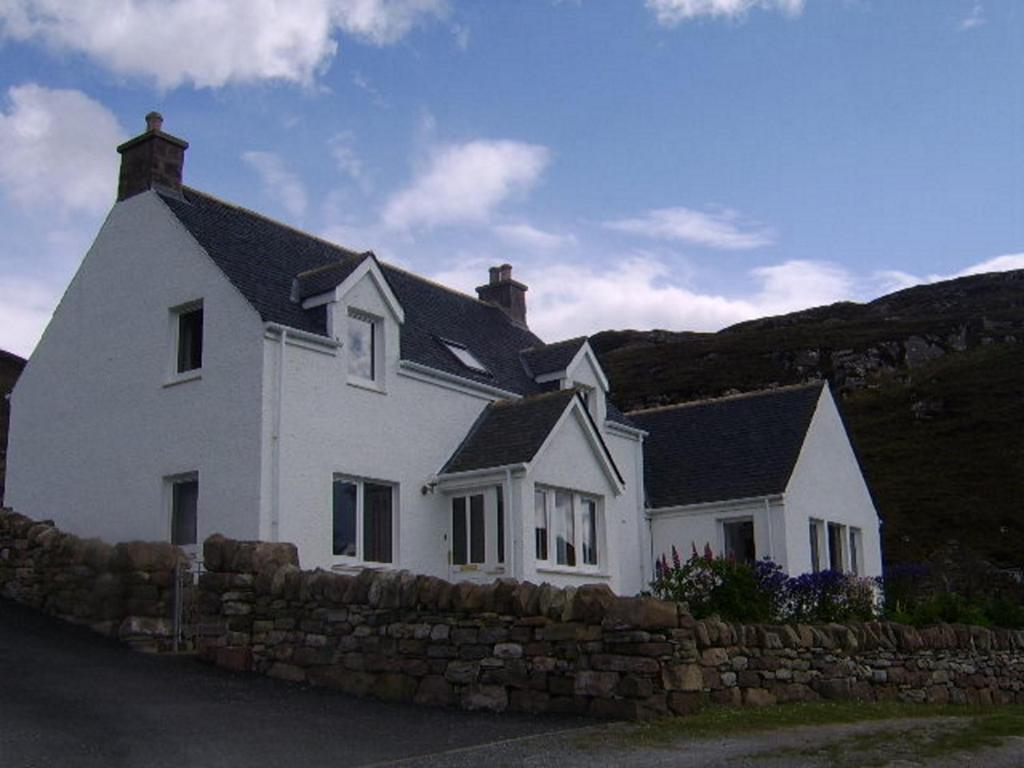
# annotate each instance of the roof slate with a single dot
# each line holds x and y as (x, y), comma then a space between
(552, 358)
(509, 432)
(729, 448)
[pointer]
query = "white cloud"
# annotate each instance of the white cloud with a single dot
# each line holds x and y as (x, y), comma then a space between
(342, 148)
(976, 18)
(58, 148)
(466, 183)
(210, 43)
(887, 281)
(26, 306)
(1002, 263)
(722, 230)
(279, 183)
(529, 237)
(641, 290)
(671, 13)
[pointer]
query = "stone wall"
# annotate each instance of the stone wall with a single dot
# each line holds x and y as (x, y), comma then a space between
(124, 591)
(518, 646)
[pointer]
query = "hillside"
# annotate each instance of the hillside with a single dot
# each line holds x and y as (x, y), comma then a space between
(932, 383)
(10, 369)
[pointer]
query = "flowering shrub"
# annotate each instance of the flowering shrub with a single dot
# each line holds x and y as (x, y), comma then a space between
(762, 591)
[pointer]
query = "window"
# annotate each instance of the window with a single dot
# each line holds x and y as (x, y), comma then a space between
(815, 533)
(363, 524)
(362, 346)
(184, 509)
(189, 339)
(589, 513)
(469, 534)
(855, 548)
(738, 537)
(835, 547)
(464, 356)
(540, 518)
(568, 525)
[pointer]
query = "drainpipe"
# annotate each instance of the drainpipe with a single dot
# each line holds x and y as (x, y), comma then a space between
(275, 509)
(768, 520)
(513, 523)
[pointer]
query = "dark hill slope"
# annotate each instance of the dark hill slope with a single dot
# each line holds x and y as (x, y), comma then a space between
(10, 369)
(932, 380)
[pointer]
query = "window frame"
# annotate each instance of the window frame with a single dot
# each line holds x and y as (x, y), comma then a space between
(175, 315)
(550, 563)
(855, 542)
(815, 526)
(171, 485)
(376, 325)
(360, 532)
(724, 537)
(493, 524)
(465, 356)
(840, 531)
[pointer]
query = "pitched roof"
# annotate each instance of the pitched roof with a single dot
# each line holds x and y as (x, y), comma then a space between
(551, 358)
(262, 258)
(728, 448)
(326, 278)
(509, 432)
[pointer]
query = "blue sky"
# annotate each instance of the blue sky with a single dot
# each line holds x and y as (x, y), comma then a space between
(682, 164)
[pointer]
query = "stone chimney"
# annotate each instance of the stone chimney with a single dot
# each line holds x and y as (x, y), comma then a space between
(506, 293)
(151, 160)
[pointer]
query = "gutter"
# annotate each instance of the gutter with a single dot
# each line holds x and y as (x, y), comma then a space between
(295, 333)
(688, 509)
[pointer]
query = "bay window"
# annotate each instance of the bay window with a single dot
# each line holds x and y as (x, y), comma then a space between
(567, 526)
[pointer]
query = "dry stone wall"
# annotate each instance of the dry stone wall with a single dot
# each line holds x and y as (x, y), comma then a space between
(518, 646)
(124, 591)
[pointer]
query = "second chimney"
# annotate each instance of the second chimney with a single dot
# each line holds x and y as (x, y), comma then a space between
(506, 293)
(151, 160)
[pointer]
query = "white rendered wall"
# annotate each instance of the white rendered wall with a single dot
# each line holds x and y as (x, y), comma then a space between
(827, 484)
(695, 526)
(95, 428)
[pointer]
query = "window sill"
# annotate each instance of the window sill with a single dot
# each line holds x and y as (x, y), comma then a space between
(355, 566)
(574, 571)
(368, 384)
(180, 378)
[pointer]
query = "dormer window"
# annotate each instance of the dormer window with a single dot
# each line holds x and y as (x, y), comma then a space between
(464, 356)
(362, 346)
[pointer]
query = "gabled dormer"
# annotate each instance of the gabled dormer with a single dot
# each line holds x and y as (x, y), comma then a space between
(362, 313)
(571, 364)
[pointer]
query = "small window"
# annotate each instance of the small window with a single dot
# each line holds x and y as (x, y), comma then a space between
(540, 517)
(589, 531)
(815, 534)
(184, 510)
(565, 529)
(362, 344)
(363, 520)
(464, 356)
(190, 340)
(739, 540)
(835, 547)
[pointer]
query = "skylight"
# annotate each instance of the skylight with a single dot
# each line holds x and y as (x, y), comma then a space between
(464, 356)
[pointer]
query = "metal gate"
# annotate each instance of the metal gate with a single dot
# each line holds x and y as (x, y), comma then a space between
(185, 609)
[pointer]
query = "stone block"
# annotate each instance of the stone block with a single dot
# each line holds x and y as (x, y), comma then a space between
(493, 698)
(682, 677)
(758, 697)
(435, 691)
(593, 683)
(462, 672)
(641, 613)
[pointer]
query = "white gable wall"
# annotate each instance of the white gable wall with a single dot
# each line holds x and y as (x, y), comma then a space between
(95, 428)
(827, 484)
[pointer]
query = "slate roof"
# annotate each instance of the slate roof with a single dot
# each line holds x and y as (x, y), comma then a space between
(262, 257)
(265, 259)
(509, 432)
(729, 448)
(552, 358)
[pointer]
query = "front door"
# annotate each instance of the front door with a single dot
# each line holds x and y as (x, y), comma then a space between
(476, 535)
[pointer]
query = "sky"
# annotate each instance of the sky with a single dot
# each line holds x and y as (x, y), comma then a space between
(678, 164)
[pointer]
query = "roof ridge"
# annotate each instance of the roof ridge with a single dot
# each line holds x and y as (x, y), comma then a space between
(728, 398)
(331, 265)
(442, 286)
(534, 348)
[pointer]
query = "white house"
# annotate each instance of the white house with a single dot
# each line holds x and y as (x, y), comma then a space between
(765, 474)
(211, 370)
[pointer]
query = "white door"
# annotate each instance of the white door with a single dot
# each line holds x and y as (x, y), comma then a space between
(476, 535)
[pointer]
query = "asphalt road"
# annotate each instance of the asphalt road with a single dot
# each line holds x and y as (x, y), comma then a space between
(71, 698)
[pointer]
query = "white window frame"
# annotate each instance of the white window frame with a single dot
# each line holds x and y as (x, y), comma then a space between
(174, 376)
(170, 481)
(821, 538)
(551, 563)
(855, 545)
(376, 381)
(359, 557)
(841, 532)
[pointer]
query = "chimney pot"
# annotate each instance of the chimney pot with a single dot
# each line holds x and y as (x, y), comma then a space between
(495, 273)
(505, 272)
(154, 121)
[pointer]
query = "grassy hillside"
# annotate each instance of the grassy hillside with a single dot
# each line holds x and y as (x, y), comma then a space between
(932, 383)
(10, 369)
